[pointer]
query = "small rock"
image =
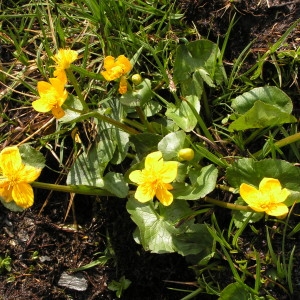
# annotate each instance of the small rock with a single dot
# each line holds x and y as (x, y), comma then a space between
(75, 281)
(44, 258)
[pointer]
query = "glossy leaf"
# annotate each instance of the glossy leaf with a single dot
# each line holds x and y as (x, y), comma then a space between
(267, 94)
(183, 116)
(202, 181)
(261, 115)
(89, 167)
(239, 216)
(145, 143)
(201, 54)
(157, 230)
(139, 96)
(235, 291)
(115, 183)
(171, 144)
(31, 156)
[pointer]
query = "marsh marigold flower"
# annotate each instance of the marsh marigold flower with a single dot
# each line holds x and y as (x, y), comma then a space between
(15, 178)
(155, 179)
(63, 60)
(117, 68)
(268, 198)
(52, 97)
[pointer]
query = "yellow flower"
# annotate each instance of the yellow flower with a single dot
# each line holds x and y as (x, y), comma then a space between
(52, 97)
(15, 178)
(63, 60)
(268, 198)
(117, 68)
(154, 179)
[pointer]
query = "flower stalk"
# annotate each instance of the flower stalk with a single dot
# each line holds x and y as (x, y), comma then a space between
(77, 90)
(231, 206)
(83, 190)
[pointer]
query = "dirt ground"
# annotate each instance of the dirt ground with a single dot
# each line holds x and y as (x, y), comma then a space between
(40, 240)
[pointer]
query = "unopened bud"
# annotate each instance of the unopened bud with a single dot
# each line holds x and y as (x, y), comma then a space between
(186, 154)
(136, 79)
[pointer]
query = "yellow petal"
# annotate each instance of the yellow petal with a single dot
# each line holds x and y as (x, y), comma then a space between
(43, 86)
(144, 193)
(42, 105)
(58, 112)
(154, 161)
(136, 176)
(115, 72)
(58, 84)
(284, 193)
(250, 195)
(6, 191)
(169, 171)
(65, 57)
(277, 210)
(272, 188)
(257, 207)
(109, 62)
(10, 161)
(28, 173)
(269, 186)
(124, 62)
(164, 196)
(23, 194)
(61, 75)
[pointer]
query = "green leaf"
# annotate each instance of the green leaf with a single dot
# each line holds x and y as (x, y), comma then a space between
(235, 291)
(206, 77)
(89, 167)
(145, 143)
(32, 157)
(195, 241)
(72, 108)
(122, 140)
(157, 231)
(239, 217)
(171, 144)
(115, 183)
(193, 85)
(261, 115)
(12, 206)
(267, 94)
(120, 286)
(183, 116)
(203, 182)
(139, 96)
(202, 54)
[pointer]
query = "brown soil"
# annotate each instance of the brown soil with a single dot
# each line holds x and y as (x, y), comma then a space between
(41, 244)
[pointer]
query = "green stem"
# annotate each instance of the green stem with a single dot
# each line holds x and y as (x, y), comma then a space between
(77, 89)
(143, 118)
(200, 121)
(204, 100)
(115, 123)
(95, 114)
(281, 143)
(134, 123)
(227, 205)
(225, 188)
(84, 190)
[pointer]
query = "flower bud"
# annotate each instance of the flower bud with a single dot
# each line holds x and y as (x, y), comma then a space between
(136, 79)
(186, 154)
